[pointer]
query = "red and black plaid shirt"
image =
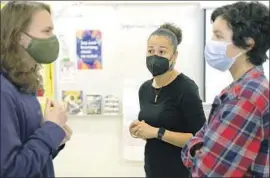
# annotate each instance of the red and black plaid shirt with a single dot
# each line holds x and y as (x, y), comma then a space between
(236, 139)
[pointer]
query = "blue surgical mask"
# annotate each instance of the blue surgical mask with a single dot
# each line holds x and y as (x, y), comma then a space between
(215, 55)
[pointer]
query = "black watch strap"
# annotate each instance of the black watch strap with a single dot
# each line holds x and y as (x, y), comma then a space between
(161, 132)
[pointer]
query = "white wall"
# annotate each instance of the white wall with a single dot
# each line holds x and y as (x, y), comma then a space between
(124, 43)
(95, 150)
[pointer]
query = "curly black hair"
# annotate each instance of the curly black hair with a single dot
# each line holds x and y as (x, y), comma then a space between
(248, 20)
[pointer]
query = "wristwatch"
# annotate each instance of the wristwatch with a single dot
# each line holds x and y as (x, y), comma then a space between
(161, 132)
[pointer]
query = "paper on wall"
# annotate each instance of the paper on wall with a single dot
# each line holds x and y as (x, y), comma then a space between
(68, 67)
(133, 149)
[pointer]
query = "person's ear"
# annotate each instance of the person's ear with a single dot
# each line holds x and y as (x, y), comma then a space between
(24, 40)
(250, 42)
(175, 55)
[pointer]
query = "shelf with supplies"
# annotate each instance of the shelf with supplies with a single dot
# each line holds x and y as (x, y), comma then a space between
(91, 105)
(95, 116)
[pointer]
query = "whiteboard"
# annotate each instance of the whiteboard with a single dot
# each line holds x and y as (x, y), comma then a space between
(216, 81)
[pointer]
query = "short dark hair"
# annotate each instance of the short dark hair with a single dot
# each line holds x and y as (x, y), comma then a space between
(248, 20)
(172, 32)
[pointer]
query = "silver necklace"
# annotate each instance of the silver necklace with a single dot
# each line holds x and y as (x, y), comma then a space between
(157, 92)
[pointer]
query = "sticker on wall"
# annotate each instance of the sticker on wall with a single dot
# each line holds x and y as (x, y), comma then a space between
(89, 51)
(68, 68)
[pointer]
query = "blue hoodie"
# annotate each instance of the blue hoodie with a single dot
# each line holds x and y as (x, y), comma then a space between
(28, 146)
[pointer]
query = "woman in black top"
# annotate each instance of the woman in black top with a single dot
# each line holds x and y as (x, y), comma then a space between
(171, 110)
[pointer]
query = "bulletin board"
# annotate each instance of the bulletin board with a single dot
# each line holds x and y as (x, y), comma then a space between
(216, 81)
(119, 46)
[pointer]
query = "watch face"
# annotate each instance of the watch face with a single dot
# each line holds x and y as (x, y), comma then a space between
(160, 135)
(161, 132)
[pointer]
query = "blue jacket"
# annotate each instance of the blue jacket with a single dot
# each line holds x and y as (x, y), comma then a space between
(28, 146)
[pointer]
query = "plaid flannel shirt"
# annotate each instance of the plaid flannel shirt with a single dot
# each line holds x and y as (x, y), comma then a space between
(236, 140)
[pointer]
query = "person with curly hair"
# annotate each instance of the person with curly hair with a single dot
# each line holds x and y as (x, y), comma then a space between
(235, 141)
(171, 110)
(29, 141)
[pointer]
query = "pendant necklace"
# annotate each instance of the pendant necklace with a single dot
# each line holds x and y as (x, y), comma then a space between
(157, 93)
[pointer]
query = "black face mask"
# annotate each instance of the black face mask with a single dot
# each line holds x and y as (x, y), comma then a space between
(158, 65)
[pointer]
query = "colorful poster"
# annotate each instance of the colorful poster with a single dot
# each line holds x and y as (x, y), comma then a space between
(89, 51)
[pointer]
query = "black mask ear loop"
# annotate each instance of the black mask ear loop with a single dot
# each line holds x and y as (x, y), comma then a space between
(152, 66)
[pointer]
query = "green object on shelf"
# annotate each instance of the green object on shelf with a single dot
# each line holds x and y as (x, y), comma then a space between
(66, 59)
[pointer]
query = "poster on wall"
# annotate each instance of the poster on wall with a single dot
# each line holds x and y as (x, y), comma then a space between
(68, 67)
(67, 70)
(89, 51)
(93, 104)
(73, 101)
